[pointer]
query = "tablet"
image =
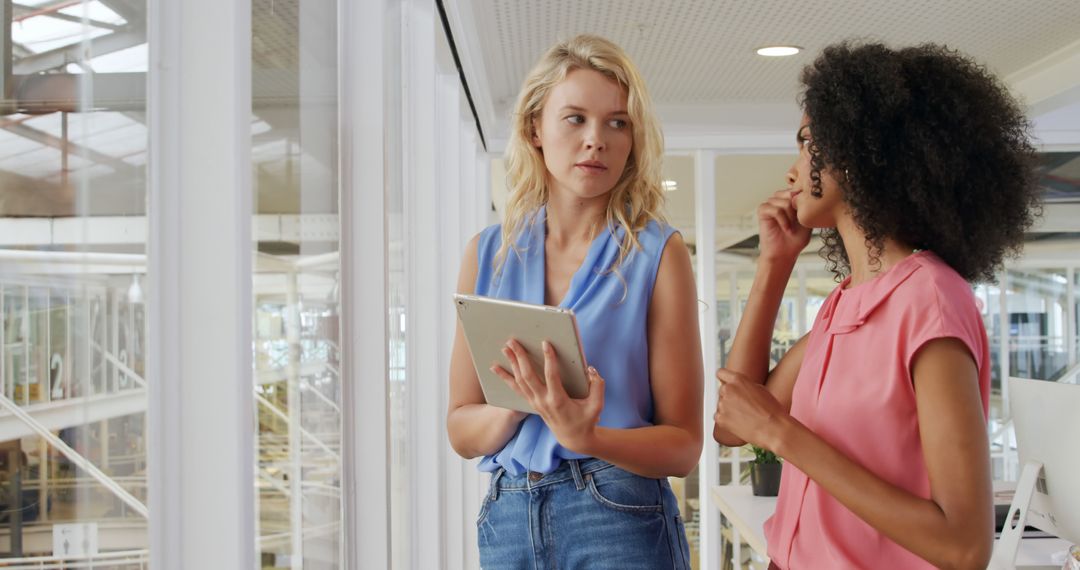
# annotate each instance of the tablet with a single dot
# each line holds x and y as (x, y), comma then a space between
(488, 323)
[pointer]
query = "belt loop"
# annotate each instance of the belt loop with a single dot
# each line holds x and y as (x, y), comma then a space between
(493, 494)
(575, 470)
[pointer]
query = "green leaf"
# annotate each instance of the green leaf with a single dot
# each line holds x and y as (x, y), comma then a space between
(762, 455)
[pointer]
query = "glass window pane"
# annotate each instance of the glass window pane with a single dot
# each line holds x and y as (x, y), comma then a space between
(1036, 305)
(1075, 357)
(297, 339)
(72, 278)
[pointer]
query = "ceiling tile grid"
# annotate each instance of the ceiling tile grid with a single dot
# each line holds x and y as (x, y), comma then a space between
(702, 51)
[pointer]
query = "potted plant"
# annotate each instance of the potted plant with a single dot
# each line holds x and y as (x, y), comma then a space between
(765, 472)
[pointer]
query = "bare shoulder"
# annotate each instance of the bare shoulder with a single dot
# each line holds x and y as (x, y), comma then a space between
(674, 261)
(675, 286)
(470, 266)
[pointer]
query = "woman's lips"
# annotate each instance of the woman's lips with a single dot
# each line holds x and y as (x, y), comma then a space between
(591, 168)
(795, 194)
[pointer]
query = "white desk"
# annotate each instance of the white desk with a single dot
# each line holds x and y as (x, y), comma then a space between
(748, 514)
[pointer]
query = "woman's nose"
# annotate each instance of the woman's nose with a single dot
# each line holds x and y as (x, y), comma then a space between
(790, 176)
(594, 139)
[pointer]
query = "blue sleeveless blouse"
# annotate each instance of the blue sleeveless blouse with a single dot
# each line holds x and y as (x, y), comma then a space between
(611, 318)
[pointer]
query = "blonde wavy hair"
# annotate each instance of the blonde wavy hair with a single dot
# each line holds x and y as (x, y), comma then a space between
(636, 198)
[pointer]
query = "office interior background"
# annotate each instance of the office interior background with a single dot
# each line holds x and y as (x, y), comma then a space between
(229, 233)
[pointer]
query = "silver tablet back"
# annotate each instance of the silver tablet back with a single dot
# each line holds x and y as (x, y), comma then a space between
(488, 323)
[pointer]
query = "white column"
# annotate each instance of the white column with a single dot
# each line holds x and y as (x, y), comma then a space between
(1008, 457)
(476, 483)
(113, 324)
(46, 360)
(102, 340)
(1070, 315)
(708, 469)
(447, 196)
(473, 193)
(292, 390)
(25, 324)
(365, 51)
(201, 407)
(3, 342)
(736, 316)
(425, 297)
(69, 347)
(1004, 366)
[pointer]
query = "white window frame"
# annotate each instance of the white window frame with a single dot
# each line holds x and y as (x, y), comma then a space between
(709, 465)
(365, 48)
(200, 413)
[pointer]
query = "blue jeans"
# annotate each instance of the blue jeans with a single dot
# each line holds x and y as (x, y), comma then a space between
(587, 514)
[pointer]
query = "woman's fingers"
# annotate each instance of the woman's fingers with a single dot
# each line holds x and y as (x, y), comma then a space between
(522, 369)
(552, 378)
(512, 358)
(509, 379)
(529, 376)
(595, 398)
(726, 376)
(784, 209)
(501, 372)
(782, 215)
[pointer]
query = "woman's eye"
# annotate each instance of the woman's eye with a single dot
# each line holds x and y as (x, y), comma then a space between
(617, 123)
(576, 119)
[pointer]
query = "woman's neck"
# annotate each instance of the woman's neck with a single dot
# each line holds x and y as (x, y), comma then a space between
(570, 218)
(863, 267)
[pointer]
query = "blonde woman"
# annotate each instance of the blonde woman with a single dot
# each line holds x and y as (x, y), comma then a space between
(582, 483)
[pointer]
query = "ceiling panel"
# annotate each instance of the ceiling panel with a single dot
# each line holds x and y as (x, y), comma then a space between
(701, 52)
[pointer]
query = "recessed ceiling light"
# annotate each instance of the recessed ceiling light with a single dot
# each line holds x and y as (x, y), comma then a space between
(778, 51)
(670, 185)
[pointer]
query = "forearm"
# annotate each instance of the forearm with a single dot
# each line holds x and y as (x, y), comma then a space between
(652, 451)
(919, 525)
(749, 354)
(480, 429)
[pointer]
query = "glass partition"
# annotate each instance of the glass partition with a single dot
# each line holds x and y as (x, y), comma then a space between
(296, 288)
(73, 391)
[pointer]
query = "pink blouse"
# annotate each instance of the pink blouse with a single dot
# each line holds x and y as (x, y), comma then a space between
(855, 391)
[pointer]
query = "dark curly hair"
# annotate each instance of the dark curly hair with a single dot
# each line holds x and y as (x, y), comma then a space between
(929, 149)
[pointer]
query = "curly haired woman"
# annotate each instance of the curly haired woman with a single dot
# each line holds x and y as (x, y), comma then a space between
(916, 166)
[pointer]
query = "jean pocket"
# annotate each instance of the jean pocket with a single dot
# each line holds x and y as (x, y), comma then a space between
(683, 545)
(485, 506)
(631, 494)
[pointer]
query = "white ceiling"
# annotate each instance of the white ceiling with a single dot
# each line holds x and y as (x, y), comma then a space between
(698, 57)
(713, 92)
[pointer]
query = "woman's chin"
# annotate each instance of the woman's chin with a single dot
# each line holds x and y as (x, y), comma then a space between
(807, 220)
(589, 193)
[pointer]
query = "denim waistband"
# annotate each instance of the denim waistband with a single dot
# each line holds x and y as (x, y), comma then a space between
(569, 470)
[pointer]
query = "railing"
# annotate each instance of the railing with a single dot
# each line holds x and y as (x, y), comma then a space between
(1070, 376)
(41, 364)
(80, 461)
(118, 560)
(74, 333)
